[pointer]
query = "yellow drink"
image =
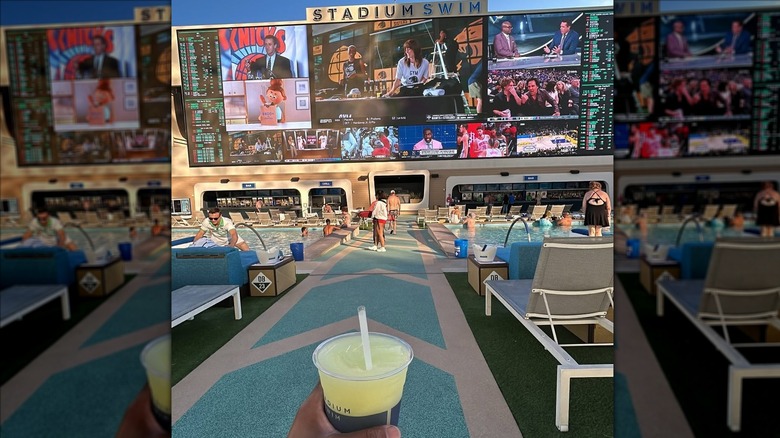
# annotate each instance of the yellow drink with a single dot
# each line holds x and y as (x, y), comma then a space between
(357, 398)
(156, 358)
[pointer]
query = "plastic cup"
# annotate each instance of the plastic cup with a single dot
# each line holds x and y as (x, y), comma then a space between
(156, 359)
(356, 398)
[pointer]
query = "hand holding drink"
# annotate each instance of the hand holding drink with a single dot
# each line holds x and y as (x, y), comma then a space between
(156, 359)
(362, 376)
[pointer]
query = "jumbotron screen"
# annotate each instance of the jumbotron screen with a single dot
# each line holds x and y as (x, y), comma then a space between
(693, 85)
(92, 94)
(399, 90)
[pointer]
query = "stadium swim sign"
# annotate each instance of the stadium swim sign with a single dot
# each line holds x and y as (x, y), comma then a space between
(395, 11)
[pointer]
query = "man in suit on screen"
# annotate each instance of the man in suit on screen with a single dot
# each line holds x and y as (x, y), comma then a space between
(100, 65)
(565, 41)
(676, 43)
(736, 42)
(504, 45)
(272, 65)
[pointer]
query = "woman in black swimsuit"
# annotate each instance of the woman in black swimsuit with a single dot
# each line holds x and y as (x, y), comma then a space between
(767, 208)
(596, 205)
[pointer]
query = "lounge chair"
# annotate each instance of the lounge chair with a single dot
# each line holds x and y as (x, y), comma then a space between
(430, 215)
(443, 214)
(710, 212)
(686, 210)
(19, 300)
(332, 216)
(742, 287)
(236, 217)
(264, 219)
(480, 214)
(179, 221)
(652, 213)
(537, 212)
(514, 210)
(197, 218)
(727, 211)
(557, 210)
(286, 220)
(580, 294)
(668, 215)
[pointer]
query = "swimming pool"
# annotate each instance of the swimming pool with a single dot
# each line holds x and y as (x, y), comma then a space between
(278, 237)
(494, 234)
(666, 234)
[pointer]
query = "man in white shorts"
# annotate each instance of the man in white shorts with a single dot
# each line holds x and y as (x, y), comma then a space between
(48, 230)
(221, 231)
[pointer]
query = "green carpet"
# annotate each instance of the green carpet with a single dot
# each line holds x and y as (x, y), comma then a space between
(526, 373)
(194, 341)
(697, 372)
(26, 339)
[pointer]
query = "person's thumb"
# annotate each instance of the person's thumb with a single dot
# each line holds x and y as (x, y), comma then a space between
(374, 432)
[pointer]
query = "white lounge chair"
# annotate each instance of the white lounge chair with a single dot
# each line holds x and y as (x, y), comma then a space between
(557, 210)
(443, 213)
(236, 217)
(579, 294)
(537, 212)
(264, 219)
(742, 287)
(727, 211)
(710, 212)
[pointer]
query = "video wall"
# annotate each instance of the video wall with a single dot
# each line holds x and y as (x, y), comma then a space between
(96, 94)
(417, 89)
(697, 85)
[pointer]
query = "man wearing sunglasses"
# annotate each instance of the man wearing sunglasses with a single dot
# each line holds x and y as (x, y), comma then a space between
(48, 231)
(221, 230)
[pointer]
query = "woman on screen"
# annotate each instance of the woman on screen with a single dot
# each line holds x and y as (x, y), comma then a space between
(100, 104)
(412, 68)
(291, 147)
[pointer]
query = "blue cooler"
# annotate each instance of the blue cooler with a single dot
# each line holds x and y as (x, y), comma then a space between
(126, 251)
(297, 251)
(461, 248)
(632, 248)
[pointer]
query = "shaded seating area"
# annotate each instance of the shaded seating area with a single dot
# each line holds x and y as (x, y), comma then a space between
(741, 288)
(581, 294)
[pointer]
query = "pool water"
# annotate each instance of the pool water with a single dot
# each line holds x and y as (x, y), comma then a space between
(666, 234)
(279, 237)
(495, 234)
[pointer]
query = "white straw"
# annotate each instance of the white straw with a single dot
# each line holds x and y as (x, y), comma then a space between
(364, 336)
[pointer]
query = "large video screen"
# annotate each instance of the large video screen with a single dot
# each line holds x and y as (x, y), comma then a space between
(90, 94)
(692, 85)
(398, 90)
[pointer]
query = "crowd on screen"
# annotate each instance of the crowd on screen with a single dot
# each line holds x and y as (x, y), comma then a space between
(562, 86)
(705, 93)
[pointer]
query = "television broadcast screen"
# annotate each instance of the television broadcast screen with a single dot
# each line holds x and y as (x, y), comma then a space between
(636, 79)
(90, 94)
(715, 92)
(367, 90)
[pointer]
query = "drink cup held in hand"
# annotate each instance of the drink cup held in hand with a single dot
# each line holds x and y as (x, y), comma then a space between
(357, 398)
(156, 359)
